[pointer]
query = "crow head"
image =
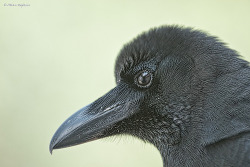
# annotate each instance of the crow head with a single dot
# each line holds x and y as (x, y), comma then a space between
(164, 78)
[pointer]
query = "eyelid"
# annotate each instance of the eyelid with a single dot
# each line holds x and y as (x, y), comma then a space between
(143, 68)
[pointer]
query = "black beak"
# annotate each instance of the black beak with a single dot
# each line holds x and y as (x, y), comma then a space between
(90, 122)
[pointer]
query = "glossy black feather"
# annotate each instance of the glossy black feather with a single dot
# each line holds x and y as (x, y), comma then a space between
(198, 112)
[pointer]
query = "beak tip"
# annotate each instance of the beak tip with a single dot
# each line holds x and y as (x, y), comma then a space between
(51, 147)
(51, 151)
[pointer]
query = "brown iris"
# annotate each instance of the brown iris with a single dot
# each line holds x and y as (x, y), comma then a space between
(143, 79)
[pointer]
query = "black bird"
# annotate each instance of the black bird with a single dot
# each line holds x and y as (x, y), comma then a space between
(180, 89)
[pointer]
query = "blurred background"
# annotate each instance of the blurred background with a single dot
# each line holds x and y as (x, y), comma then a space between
(58, 56)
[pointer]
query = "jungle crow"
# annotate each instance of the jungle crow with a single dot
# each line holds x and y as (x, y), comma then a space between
(180, 89)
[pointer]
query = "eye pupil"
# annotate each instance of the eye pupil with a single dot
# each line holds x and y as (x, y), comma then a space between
(144, 79)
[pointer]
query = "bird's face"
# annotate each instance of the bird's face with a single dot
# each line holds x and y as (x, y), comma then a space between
(150, 100)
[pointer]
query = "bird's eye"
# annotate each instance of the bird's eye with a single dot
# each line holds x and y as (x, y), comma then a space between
(143, 79)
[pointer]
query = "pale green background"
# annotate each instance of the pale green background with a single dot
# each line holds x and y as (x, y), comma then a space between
(57, 56)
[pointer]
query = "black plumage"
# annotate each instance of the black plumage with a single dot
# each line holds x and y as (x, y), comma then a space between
(180, 89)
